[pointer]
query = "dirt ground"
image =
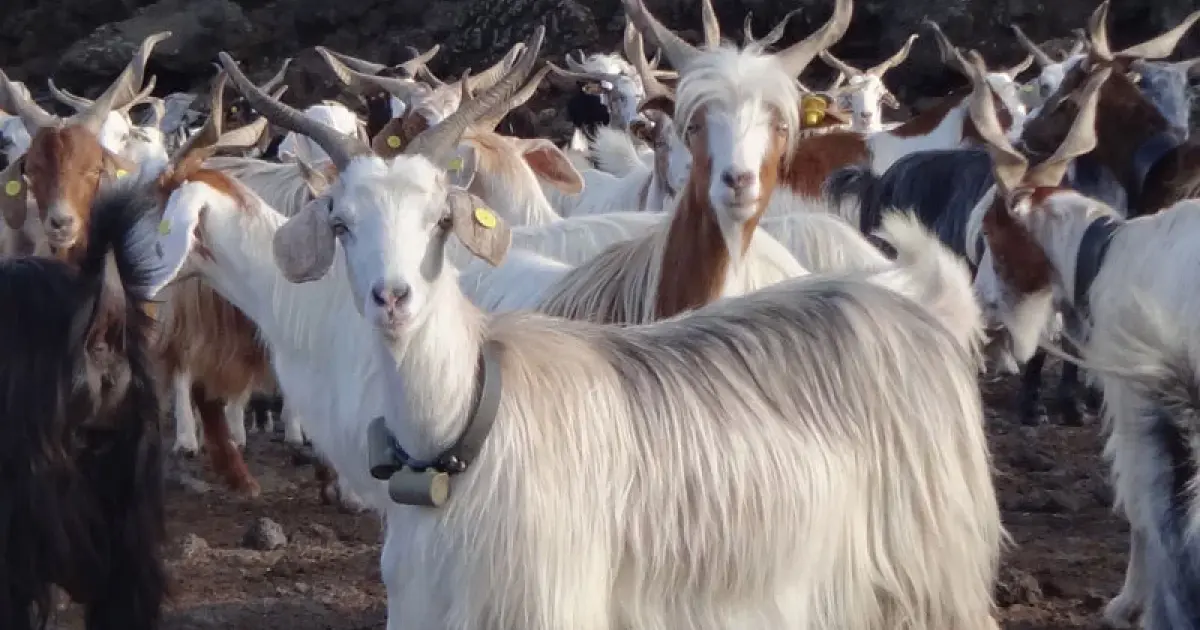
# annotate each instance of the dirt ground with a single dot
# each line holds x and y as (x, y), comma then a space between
(1067, 560)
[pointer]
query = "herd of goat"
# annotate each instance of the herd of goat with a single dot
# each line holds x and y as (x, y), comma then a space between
(722, 349)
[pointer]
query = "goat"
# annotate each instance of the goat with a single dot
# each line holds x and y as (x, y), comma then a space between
(792, 569)
(1122, 277)
(944, 126)
(82, 502)
(298, 148)
(65, 162)
(117, 134)
(864, 91)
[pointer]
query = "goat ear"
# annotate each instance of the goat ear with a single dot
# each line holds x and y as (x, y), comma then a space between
(642, 130)
(460, 170)
(172, 237)
(304, 247)
(116, 167)
(551, 164)
(479, 228)
(14, 195)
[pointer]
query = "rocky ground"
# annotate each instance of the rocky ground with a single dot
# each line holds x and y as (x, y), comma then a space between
(285, 562)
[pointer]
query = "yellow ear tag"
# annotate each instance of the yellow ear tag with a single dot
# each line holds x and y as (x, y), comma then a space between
(456, 164)
(484, 217)
(12, 188)
(813, 118)
(122, 172)
(164, 227)
(393, 141)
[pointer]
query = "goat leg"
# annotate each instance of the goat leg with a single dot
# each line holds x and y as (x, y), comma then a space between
(223, 453)
(1029, 400)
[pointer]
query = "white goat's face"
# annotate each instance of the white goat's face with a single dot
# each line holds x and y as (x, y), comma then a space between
(735, 142)
(623, 100)
(863, 96)
(1009, 93)
(14, 138)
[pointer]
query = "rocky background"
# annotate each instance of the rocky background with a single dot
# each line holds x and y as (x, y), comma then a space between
(84, 43)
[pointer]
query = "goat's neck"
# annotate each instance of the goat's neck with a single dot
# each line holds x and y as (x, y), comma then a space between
(297, 318)
(430, 372)
(1060, 234)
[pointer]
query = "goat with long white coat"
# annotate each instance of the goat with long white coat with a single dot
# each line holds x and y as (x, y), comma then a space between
(802, 563)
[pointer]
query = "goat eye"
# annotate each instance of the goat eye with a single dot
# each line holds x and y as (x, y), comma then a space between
(693, 128)
(340, 229)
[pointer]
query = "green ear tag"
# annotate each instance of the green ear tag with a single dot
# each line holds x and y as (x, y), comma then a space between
(164, 227)
(12, 188)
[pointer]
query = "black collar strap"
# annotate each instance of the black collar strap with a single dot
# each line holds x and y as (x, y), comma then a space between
(388, 457)
(1093, 247)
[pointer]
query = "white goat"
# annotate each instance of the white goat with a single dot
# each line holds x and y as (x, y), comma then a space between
(738, 551)
(295, 147)
(864, 92)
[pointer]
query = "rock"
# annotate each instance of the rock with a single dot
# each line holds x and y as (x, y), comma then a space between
(320, 533)
(192, 547)
(264, 535)
(1017, 587)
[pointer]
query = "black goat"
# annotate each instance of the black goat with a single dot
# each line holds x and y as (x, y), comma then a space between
(81, 500)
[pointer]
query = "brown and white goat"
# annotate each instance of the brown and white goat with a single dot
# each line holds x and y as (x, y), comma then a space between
(1156, 164)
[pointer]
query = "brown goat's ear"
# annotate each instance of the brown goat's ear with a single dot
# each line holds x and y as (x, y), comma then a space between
(480, 229)
(397, 133)
(304, 247)
(14, 194)
(550, 163)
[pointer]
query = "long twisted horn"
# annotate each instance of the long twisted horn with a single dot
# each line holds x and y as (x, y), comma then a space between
(1039, 55)
(796, 57)
(635, 52)
(124, 89)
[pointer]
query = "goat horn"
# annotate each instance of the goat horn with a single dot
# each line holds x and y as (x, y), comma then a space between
(1016, 70)
(14, 97)
(277, 80)
(896, 59)
(522, 96)
(1007, 163)
(635, 52)
(435, 143)
(576, 66)
(142, 97)
(354, 63)
(1098, 33)
(951, 56)
(210, 131)
(839, 65)
(678, 52)
(567, 78)
(1163, 45)
(340, 147)
(1039, 55)
(359, 81)
(712, 28)
(77, 103)
(123, 89)
(420, 60)
(772, 36)
(796, 57)
(1081, 138)
(1081, 42)
(247, 135)
(489, 77)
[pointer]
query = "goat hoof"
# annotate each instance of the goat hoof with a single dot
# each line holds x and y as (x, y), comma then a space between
(1121, 612)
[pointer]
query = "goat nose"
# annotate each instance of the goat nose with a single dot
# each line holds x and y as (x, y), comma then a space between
(737, 181)
(390, 296)
(59, 222)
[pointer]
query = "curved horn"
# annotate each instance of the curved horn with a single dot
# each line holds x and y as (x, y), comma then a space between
(77, 103)
(1098, 33)
(277, 80)
(568, 78)
(635, 52)
(774, 35)
(1081, 138)
(839, 65)
(489, 77)
(354, 63)
(1016, 70)
(951, 56)
(1008, 164)
(340, 147)
(896, 59)
(678, 52)
(796, 57)
(1163, 45)
(124, 89)
(420, 60)
(1039, 55)
(435, 143)
(210, 131)
(15, 98)
(430, 77)
(572, 64)
(360, 81)
(522, 96)
(712, 28)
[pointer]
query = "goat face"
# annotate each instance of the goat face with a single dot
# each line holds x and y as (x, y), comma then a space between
(738, 149)
(64, 167)
(863, 96)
